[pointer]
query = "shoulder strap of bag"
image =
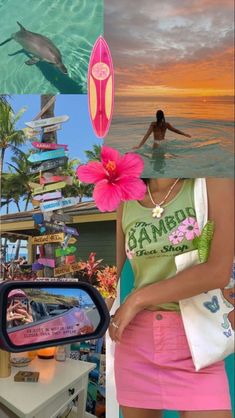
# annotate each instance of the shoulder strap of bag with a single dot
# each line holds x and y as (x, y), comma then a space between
(201, 202)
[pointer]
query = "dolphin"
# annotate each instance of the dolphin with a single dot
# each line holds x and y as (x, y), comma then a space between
(40, 47)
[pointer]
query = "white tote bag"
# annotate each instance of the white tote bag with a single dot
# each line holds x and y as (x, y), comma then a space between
(206, 317)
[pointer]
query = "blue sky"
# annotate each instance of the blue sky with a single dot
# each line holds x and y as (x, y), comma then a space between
(77, 293)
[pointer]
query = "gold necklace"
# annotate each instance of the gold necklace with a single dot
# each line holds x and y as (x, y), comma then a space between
(158, 210)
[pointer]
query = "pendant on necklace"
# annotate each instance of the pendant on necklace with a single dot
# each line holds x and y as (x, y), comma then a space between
(157, 211)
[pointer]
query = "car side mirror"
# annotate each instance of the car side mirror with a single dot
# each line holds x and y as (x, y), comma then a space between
(46, 313)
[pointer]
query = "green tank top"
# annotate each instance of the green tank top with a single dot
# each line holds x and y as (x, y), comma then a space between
(152, 243)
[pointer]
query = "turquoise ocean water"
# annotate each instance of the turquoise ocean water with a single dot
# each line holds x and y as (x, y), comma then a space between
(209, 152)
(72, 25)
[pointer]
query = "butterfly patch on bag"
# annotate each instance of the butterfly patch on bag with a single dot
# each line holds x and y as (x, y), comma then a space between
(212, 305)
(229, 297)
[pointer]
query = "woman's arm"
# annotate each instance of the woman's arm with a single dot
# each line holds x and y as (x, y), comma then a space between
(213, 274)
(148, 133)
(171, 128)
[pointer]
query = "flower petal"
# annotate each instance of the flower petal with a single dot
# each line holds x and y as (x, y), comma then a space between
(109, 154)
(107, 196)
(91, 172)
(130, 165)
(132, 188)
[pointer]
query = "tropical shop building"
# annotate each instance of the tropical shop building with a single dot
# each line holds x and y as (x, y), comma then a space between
(96, 231)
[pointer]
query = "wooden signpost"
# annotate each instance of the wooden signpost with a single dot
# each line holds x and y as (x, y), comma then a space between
(45, 108)
(62, 270)
(52, 128)
(48, 262)
(59, 204)
(45, 239)
(65, 269)
(62, 228)
(48, 196)
(48, 155)
(49, 146)
(75, 267)
(47, 121)
(45, 179)
(31, 133)
(62, 218)
(48, 165)
(72, 240)
(60, 252)
(70, 259)
(37, 266)
(38, 218)
(49, 188)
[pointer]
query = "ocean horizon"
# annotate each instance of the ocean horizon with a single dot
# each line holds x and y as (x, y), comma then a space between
(209, 121)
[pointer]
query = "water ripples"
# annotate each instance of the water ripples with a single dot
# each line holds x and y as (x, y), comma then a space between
(72, 25)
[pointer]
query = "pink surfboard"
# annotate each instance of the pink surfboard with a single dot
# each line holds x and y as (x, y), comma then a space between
(101, 87)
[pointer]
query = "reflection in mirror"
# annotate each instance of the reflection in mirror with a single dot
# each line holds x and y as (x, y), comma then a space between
(44, 314)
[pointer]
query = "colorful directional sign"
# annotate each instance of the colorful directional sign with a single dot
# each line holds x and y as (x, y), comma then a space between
(49, 165)
(50, 178)
(48, 145)
(59, 204)
(37, 266)
(47, 121)
(38, 218)
(101, 87)
(31, 133)
(62, 228)
(35, 203)
(65, 269)
(47, 155)
(60, 252)
(48, 262)
(48, 196)
(52, 128)
(70, 259)
(49, 187)
(72, 240)
(60, 271)
(62, 218)
(45, 239)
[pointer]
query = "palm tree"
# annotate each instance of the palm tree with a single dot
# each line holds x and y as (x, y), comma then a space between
(10, 137)
(21, 179)
(94, 154)
(77, 188)
(4, 98)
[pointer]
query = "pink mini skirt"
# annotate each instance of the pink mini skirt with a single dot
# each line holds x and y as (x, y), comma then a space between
(154, 368)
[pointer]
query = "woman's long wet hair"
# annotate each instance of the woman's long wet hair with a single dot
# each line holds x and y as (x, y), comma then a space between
(160, 119)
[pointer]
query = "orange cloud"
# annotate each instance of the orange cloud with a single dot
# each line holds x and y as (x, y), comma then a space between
(211, 76)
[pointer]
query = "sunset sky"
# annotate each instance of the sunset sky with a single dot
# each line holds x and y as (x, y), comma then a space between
(171, 48)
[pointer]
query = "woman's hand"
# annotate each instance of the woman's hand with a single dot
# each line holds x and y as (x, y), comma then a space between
(123, 316)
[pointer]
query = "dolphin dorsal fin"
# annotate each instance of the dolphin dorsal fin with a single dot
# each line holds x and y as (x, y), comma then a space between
(21, 26)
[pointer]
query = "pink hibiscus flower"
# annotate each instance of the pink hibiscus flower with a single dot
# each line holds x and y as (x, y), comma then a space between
(176, 237)
(190, 228)
(116, 178)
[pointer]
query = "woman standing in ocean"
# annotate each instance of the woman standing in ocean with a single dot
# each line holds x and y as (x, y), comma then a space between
(159, 128)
